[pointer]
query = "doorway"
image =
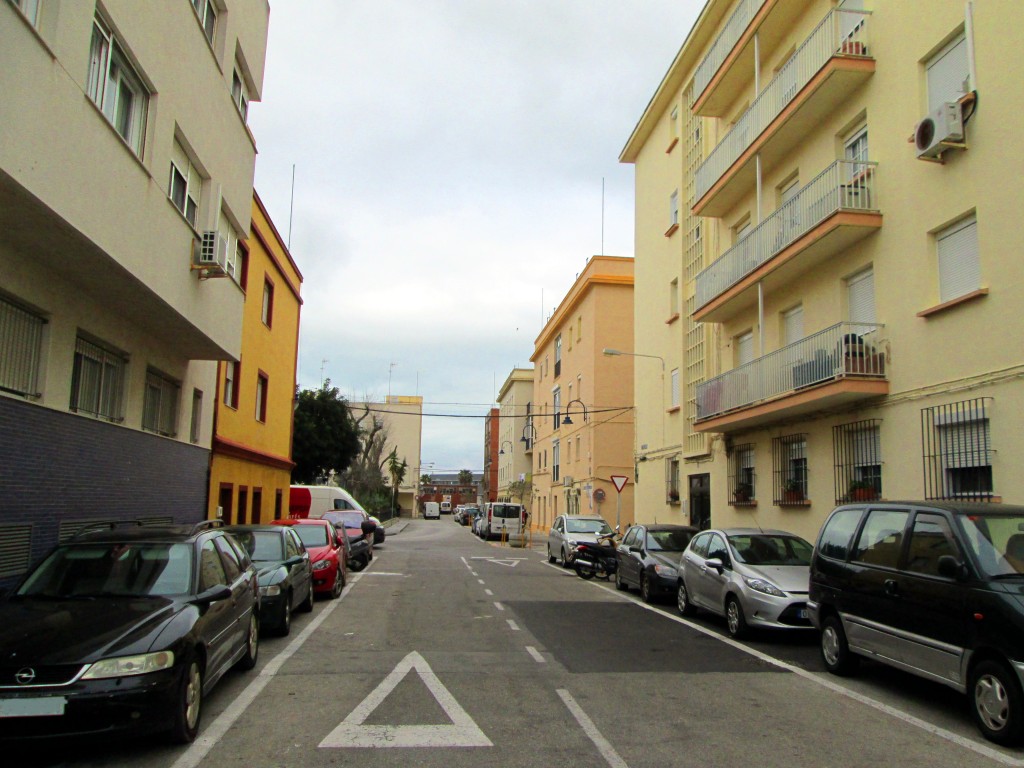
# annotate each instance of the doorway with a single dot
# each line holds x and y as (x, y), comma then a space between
(700, 501)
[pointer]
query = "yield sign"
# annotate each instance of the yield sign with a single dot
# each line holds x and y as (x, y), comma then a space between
(462, 732)
(620, 482)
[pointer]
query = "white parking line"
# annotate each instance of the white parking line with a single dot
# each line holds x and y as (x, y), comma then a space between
(603, 746)
(536, 655)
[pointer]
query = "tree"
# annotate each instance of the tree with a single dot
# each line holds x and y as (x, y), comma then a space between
(425, 480)
(397, 470)
(465, 477)
(518, 489)
(326, 438)
(364, 478)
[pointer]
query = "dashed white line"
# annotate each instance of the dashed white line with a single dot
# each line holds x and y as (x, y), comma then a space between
(603, 745)
(480, 581)
(512, 625)
(499, 606)
(489, 593)
(536, 655)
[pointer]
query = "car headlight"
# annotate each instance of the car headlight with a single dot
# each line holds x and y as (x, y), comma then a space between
(767, 587)
(272, 591)
(571, 543)
(127, 666)
(666, 571)
(321, 565)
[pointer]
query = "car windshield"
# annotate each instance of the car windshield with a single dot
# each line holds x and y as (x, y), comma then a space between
(767, 549)
(262, 545)
(586, 526)
(997, 542)
(668, 541)
(91, 570)
(312, 535)
(505, 510)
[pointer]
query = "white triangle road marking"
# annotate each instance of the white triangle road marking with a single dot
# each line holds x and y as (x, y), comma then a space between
(511, 562)
(463, 731)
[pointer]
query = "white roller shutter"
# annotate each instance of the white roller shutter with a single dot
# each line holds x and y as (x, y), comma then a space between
(959, 268)
(861, 297)
(793, 324)
(947, 72)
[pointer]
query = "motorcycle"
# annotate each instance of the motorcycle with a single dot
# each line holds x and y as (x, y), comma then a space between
(595, 559)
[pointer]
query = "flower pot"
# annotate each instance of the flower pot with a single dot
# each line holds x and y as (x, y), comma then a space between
(863, 494)
(792, 497)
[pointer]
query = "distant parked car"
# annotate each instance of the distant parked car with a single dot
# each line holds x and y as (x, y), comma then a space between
(327, 553)
(648, 558)
(284, 570)
(752, 577)
(358, 529)
(569, 530)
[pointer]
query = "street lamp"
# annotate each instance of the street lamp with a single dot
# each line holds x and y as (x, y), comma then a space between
(529, 434)
(501, 450)
(567, 420)
(616, 352)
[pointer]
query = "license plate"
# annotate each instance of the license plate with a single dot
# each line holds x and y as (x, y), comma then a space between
(38, 707)
(802, 613)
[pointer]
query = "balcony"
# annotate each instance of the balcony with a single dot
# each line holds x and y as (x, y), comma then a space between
(826, 67)
(832, 368)
(834, 210)
(731, 45)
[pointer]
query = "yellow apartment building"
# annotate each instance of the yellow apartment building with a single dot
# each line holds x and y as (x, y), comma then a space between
(250, 463)
(515, 407)
(825, 204)
(403, 417)
(581, 423)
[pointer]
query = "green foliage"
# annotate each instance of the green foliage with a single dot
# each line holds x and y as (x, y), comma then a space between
(325, 438)
(519, 489)
(465, 477)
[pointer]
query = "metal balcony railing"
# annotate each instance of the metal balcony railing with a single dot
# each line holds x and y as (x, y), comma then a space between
(723, 45)
(839, 32)
(844, 185)
(841, 351)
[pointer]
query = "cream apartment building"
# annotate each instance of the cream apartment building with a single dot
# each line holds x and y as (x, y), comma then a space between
(826, 196)
(125, 185)
(402, 415)
(515, 405)
(581, 424)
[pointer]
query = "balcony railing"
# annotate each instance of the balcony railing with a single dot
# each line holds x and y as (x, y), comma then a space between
(841, 351)
(840, 32)
(723, 45)
(844, 185)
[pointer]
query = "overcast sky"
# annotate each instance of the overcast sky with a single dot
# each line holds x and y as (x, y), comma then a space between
(449, 157)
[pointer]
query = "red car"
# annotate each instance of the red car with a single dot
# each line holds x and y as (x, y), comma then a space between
(326, 554)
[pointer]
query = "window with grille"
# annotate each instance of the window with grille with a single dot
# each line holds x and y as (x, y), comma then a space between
(742, 488)
(857, 454)
(672, 480)
(957, 450)
(160, 404)
(21, 344)
(789, 469)
(97, 381)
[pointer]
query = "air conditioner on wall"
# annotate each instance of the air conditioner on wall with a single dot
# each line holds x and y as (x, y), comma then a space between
(211, 255)
(943, 129)
(567, 481)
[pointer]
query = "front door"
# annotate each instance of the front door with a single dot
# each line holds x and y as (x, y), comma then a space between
(700, 501)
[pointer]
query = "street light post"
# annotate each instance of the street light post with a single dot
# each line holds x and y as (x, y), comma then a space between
(616, 352)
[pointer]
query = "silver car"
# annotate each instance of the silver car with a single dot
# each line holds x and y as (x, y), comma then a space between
(569, 530)
(752, 577)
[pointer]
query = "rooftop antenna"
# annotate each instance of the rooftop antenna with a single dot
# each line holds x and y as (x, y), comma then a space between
(291, 209)
(322, 364)
(391, 367)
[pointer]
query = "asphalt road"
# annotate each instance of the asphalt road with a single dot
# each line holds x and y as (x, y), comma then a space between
(449, 652)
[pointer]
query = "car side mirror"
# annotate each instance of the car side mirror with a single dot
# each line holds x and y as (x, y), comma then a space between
(716, 563)
(636, 549)
(951, 568)
(293, 561)
(368, 527)
(212, 595)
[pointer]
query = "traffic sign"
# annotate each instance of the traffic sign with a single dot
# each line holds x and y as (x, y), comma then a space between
(599, 495)
(620, 482)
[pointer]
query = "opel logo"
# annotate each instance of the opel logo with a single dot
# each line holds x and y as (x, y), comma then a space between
(25, 676)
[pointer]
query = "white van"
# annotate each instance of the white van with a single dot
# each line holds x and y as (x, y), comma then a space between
(503, 518)
(431, 510)
(446, 507)
(314, 500)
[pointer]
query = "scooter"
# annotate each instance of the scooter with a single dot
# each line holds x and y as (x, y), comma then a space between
(590, 559)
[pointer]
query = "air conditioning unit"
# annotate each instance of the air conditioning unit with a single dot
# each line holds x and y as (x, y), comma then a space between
(211, 255)
(939, 131)
(567, 481)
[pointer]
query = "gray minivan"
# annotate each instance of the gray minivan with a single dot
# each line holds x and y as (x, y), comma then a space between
(935, 588)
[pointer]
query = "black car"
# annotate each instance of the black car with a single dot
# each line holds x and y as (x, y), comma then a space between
(125, 629)
(284, 570)
(932, 588)
(648, 558)
(359, 532)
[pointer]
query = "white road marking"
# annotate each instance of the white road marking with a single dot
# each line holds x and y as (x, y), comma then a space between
(480, 581)
(383, 573)
(489, 593)
(499, 606)
(536, 655)
(512, 625)
(466, 563)
(510, 562)
(216, 730)
(603, 746)
(463, 731)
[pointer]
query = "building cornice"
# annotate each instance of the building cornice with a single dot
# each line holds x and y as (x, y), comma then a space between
(224, 447)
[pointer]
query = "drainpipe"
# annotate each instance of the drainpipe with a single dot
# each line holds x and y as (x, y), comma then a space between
(969, 36)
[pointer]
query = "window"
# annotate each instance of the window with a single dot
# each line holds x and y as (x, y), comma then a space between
(579, 328)
(855, 148)
(881, 538)
(672, 480)
(744, 348)
(673, 123)
(958, 450)
(231, 371)
(930, 539)
(97, 381)
(857, 450)
(948, 73)
(197, 415)
(185, 184)
(959, 267)
(262, 383)
(741, 229)
(673, 298)
(860, 297)
(241, 274)
(206, 12)
(240, 94)
(837, 534)
(675, 387)
(115, 87)
(555, 461)
(793, 325)
(160, 404)
(556, 406)
(21, 343)
(558, 355)
(30, 8)
(673, 209)
(230, 237)
(789, 462)
(741, 474)
(211, 567)
(267, 313)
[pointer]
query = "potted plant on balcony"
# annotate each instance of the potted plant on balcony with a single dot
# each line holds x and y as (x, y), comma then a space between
(793, 491)
(743, 493)
(673, 496)
(861, 490)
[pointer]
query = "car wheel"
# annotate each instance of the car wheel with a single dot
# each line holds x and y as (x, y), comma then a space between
(835, 651)
(551, 558)
(734, 618)
(285, 625)
(619, 583)
(565, 559)
(306, 606)
(645, 588)
(357, 564)
(339, 584)
(189, 705)
(996, 703)
(252, 644)
(683, 603)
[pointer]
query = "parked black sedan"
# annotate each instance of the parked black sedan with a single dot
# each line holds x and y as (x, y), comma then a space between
(284, 569)
(125, 628)
(648, 558)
